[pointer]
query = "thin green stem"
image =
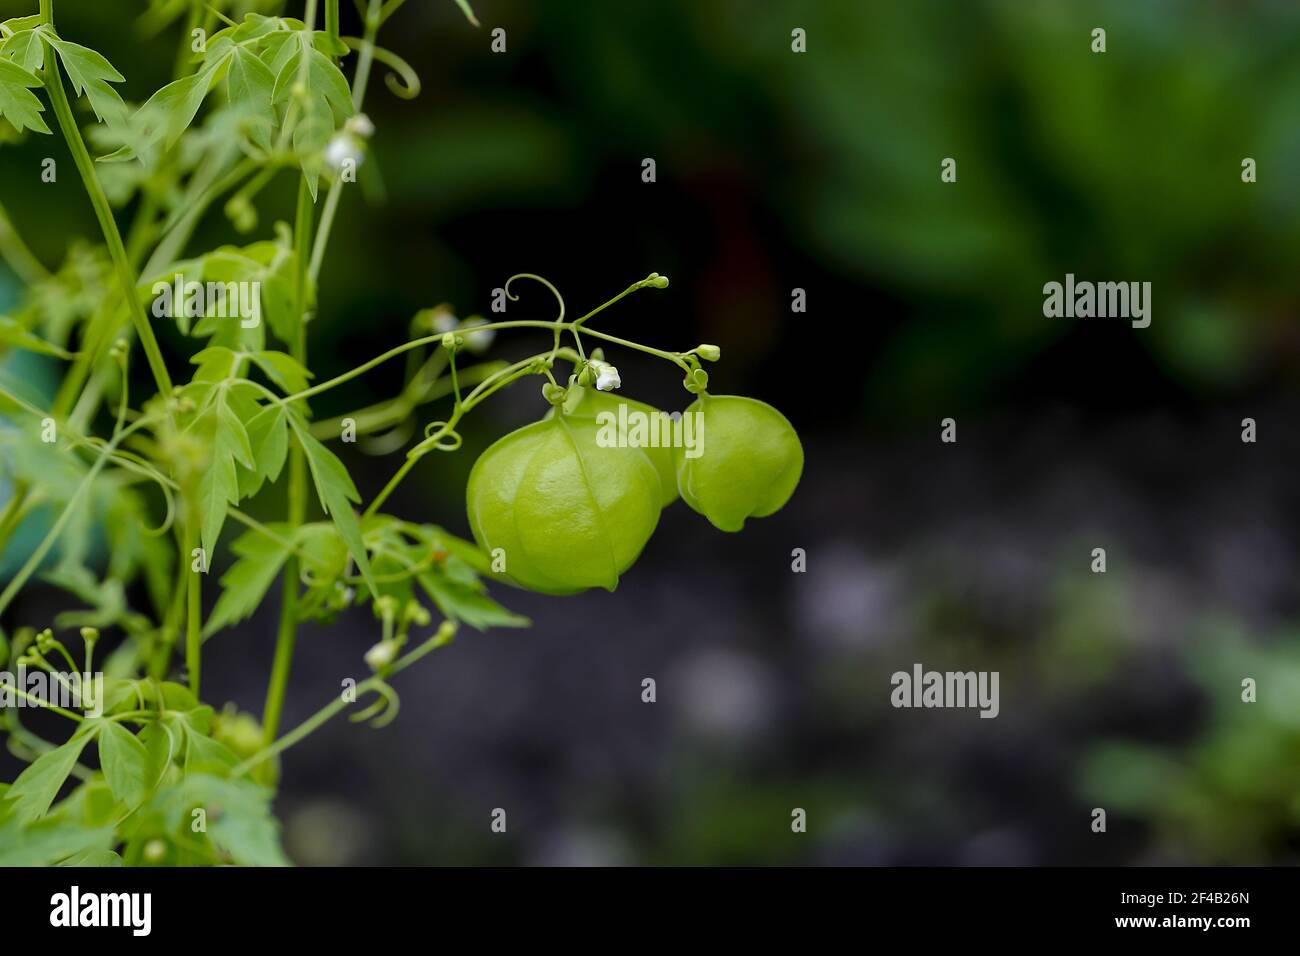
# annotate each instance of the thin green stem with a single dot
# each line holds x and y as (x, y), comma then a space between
(314, 722)
(406, 347)
(673, 357)
(33, 699)
(37, 556)
(485, 388)
(359, 82)
(392, 412)
(15, 511)
(389, 488)
(15, 252)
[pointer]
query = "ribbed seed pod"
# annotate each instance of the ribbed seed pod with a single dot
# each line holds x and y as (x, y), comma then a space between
(750, 462)
(567, 513)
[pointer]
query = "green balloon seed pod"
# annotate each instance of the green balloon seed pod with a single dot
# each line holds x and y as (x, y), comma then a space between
(567, 513)
(590, 403)
(750, 462)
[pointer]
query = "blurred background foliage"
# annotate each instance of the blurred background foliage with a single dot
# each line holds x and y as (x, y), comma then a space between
(821, 171)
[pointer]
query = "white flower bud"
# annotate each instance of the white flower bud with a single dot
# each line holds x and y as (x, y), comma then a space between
(360, 125)
(477, 342)
(341, 148)
(606, 376)
(381, 655)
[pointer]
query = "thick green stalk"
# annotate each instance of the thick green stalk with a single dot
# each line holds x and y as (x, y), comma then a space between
(103, 212)
(332, 19)
(193, 605)
(286, 636)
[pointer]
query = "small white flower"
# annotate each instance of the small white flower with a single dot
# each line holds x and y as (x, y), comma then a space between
(606, 376)
(445, 322)
(361, 126)
(341, 148)
(477, 342)
(381, 655)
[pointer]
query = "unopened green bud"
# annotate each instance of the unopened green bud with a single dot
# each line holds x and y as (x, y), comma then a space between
(418, 614)
(385, 606)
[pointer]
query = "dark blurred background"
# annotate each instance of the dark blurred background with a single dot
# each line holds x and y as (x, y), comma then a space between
(820, 171)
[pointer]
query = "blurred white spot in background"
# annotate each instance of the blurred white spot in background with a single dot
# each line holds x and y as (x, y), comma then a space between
(725, 695)
(578, 845)
(846, 601)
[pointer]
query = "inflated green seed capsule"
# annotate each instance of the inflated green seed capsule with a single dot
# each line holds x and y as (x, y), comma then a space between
(748, 462)
(567, 513)
(635, 420)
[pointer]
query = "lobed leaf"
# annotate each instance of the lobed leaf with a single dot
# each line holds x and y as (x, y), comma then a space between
(246, 582)
(91, 75)
(38, 785)
(18, 104)
(336, 491)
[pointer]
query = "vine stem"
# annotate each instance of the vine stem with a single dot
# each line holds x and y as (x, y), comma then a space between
(103, 212)
(406, 347)
(312, 723)
(365, 58)
(482, 391)
(15, 252)
(193, 605)
(287, 629)
(39, 702)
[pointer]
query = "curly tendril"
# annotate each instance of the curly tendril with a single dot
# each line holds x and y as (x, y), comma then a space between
(135, 463)
(446, 439)
(383, 711)
(404, 82)
(536, 278)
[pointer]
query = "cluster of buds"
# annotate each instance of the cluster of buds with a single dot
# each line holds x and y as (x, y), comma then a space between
(413, 614)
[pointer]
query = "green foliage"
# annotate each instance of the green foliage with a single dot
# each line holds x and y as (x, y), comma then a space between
(132, 496)
(1227, 794)
(18, 104)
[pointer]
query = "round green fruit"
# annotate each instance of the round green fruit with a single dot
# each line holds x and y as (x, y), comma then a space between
(591, 403)
(567, 514)
(749, 464)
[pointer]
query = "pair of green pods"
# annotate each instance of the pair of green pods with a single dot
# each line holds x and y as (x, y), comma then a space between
(570, 503)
